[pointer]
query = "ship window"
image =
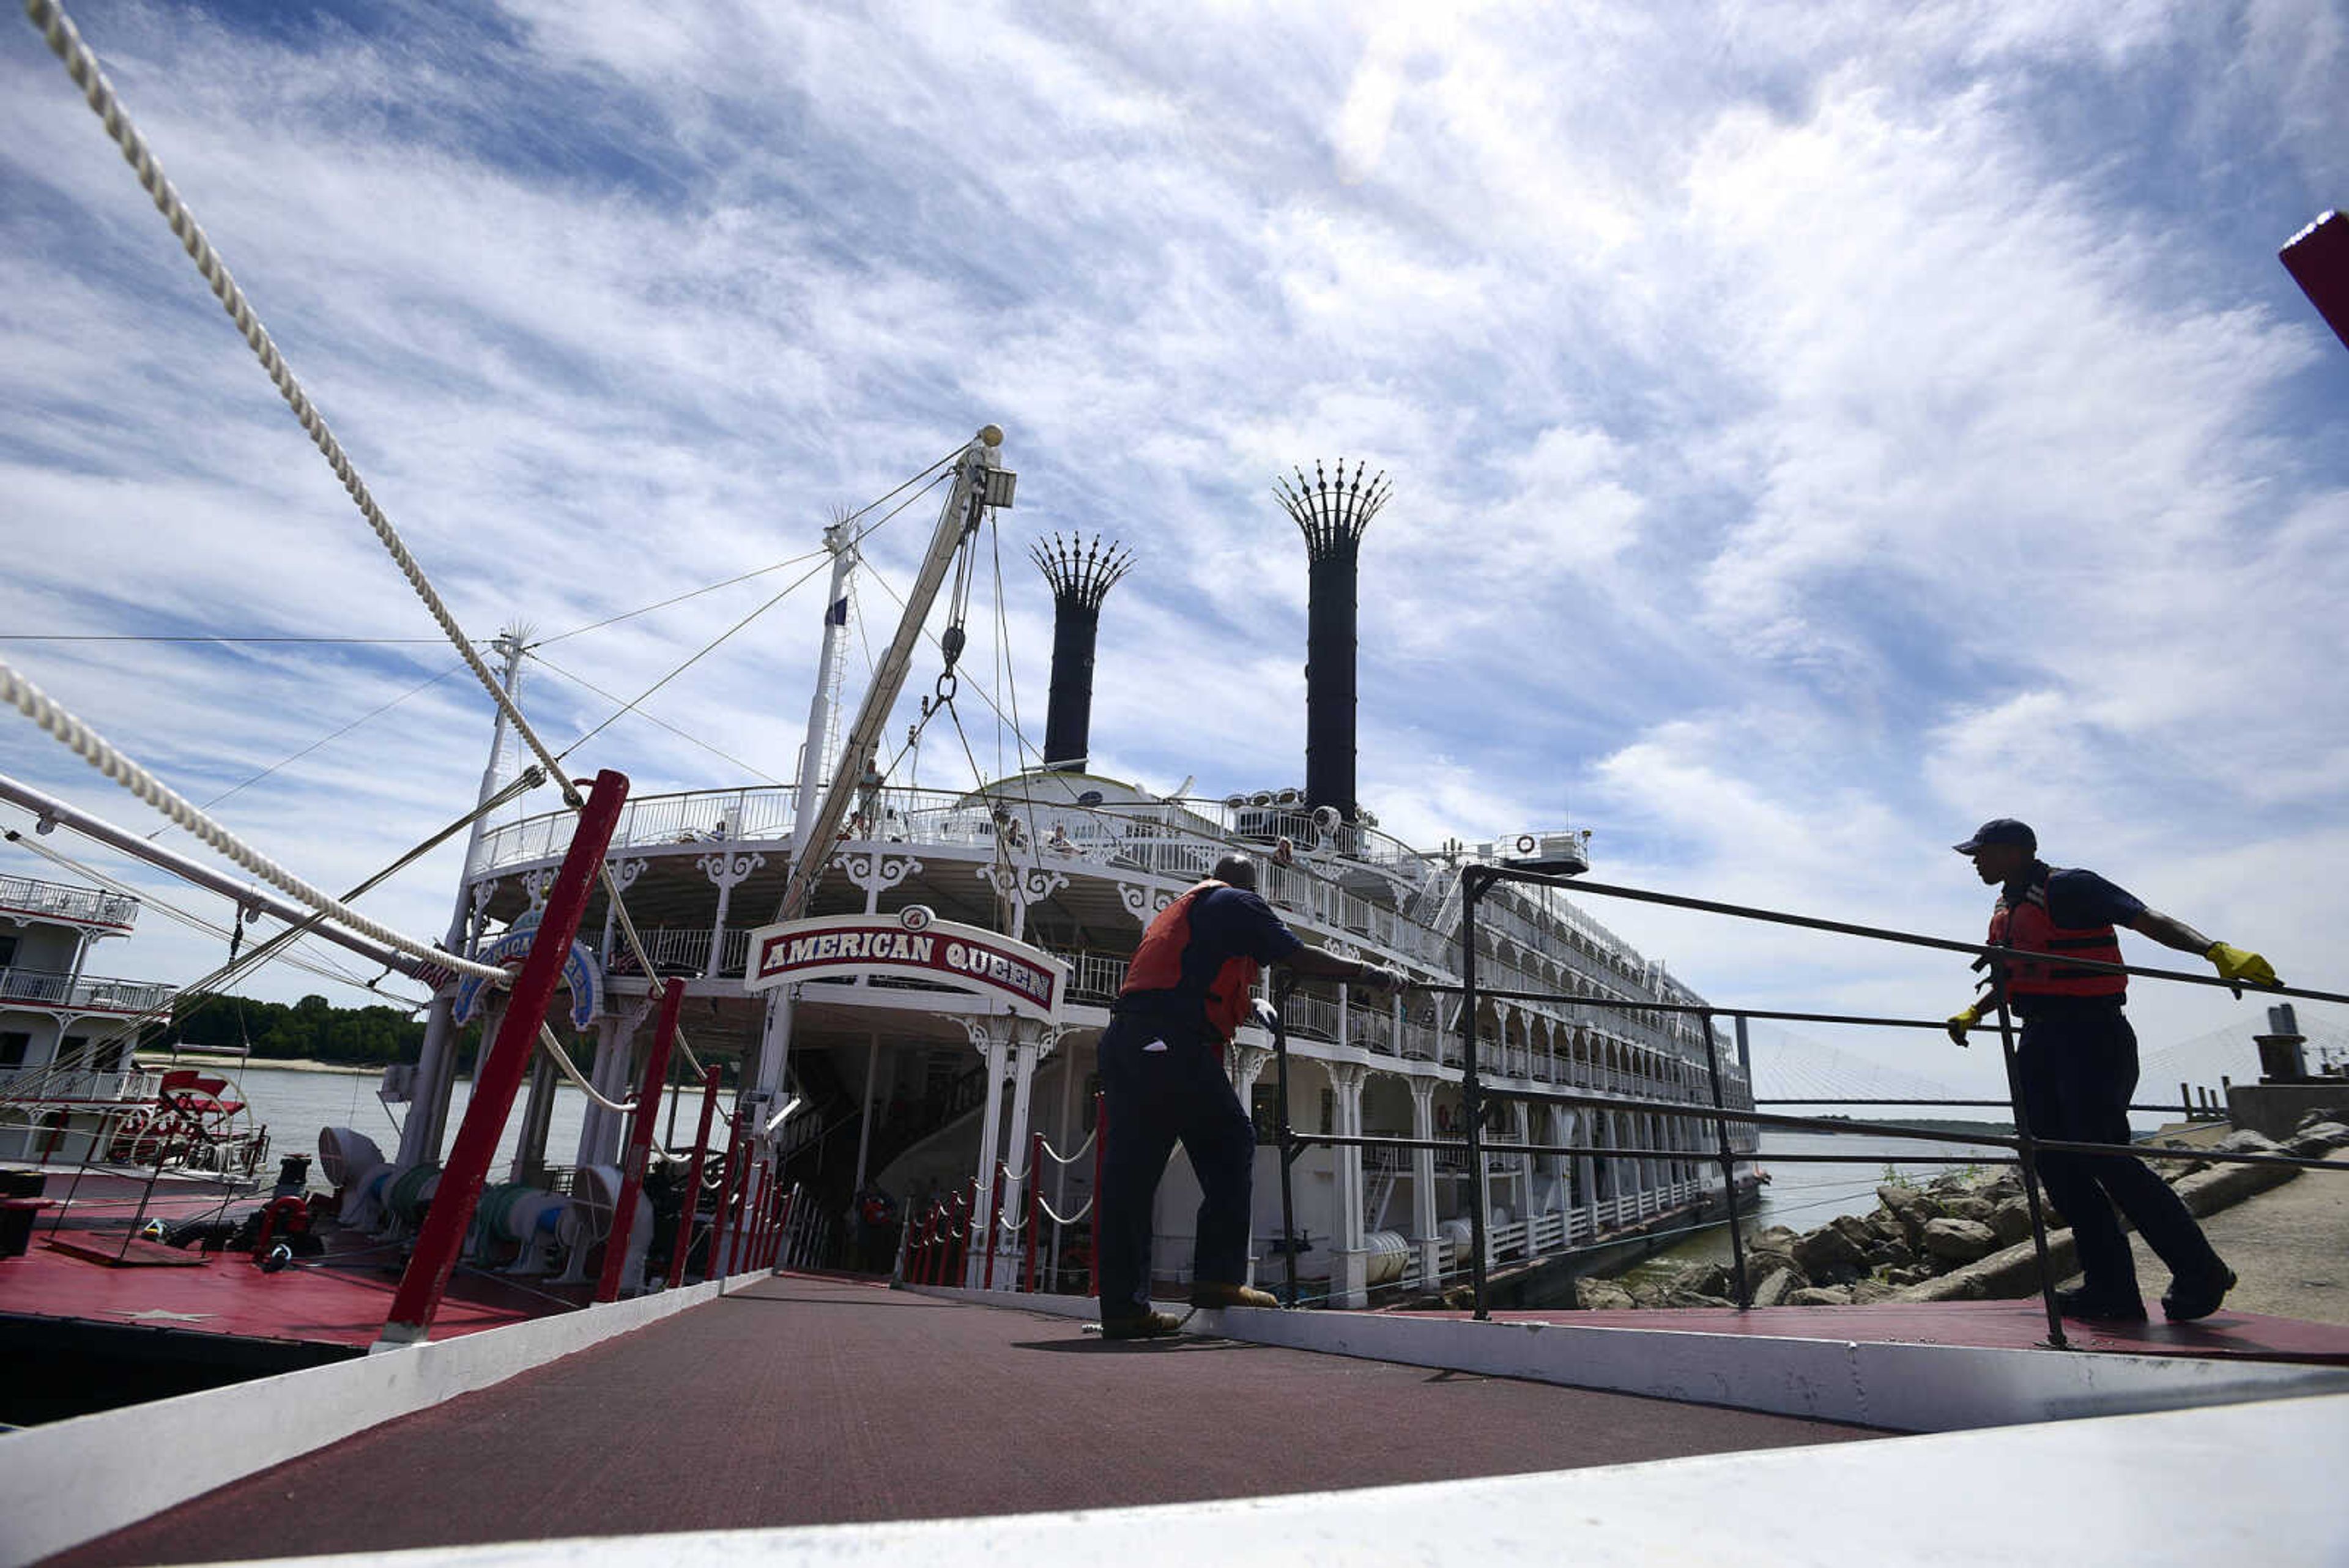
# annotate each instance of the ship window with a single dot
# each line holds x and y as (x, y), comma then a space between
(109, 1057)
(14, 1043)
(73, 1053)
(7, 951)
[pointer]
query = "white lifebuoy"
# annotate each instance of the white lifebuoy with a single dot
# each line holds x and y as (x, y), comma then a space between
(1528, 844)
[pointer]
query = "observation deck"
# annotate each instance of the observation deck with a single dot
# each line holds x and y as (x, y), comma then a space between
(30, 899)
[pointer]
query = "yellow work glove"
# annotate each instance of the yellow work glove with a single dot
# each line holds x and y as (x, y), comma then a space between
(1961, 1021)
(2235, 964)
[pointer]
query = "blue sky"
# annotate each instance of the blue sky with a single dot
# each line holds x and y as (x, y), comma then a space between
(1814, 428)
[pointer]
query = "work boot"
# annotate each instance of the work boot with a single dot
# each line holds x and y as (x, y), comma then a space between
(1205, 1294)
(2198, 1296)
(1139, 1326)
(2101, 1306)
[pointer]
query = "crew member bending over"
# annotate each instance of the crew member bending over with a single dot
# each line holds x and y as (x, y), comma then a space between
(1163, 1083)
(2077, 1060)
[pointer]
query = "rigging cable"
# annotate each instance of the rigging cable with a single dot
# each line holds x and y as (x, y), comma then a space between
(324, 740)
(738, 626)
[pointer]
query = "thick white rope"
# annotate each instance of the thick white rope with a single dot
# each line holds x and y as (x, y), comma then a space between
(98, 753)
(570, 1071)
(1061, 1219)
(64, 41)
(1071, 1158)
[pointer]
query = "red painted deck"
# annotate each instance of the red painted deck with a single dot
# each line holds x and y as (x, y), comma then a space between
(1991, 1326)
(339, 1299)
(801, 1400)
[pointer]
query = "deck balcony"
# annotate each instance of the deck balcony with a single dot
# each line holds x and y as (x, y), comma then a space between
(66, 992)
(27, 896)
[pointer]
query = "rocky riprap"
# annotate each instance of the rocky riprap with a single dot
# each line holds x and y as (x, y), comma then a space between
(1965, 1235)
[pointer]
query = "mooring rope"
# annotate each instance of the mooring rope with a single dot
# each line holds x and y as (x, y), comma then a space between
(98, 753)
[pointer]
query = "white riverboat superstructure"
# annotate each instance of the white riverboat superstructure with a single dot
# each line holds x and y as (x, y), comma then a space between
(1076, 864)
(75, 1103)
(925, 1089)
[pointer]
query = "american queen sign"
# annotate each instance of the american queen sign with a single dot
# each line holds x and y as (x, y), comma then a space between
(913, 944)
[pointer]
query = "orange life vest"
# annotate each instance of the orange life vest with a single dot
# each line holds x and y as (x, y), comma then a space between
(1156, 972)
(2027, 928)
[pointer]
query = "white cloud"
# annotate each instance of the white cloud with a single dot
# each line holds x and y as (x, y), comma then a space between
(1814, 427)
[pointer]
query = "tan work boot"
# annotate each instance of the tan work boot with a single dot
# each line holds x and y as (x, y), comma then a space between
(1139, 1325)
(1204, 1294)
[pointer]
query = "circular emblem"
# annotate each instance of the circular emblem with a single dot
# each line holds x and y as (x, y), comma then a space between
(1526, 845)
(916, 916)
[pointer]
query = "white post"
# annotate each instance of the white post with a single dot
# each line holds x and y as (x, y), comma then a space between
(1350, 1268)
(864, 1118)
(1024, 1057)
(1422, 1185)
(436, 1076)
(982, 1215)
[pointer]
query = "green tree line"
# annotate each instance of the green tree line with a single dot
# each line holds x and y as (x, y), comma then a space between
(312, 1029)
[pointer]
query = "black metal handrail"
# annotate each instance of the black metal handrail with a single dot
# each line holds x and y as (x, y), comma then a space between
(2024, 1147)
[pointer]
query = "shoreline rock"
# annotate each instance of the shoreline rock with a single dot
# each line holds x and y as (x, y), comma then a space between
(1963, 1236)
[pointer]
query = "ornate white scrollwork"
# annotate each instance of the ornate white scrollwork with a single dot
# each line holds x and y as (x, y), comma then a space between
(876, 871)
(1026, 884)
(534, 885)
(728, 869)
(1141, 901)
(1246, 1063)
(625, 869)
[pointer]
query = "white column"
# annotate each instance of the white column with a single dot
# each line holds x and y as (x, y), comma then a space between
(1350, 1268)
(1422, 1184)
(982, 1217)
(1026, 1056)
(530, 1145)
(864, 1116)
(1521, 1178)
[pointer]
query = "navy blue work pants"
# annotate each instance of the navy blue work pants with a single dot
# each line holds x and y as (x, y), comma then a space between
(2078, 1068)
(1159, 1087)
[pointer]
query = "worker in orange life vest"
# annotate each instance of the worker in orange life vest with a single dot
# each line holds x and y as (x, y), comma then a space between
(2076, 1057)
(1190, 984)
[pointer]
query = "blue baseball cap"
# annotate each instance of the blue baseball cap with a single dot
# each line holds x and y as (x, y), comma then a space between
(2001, 830)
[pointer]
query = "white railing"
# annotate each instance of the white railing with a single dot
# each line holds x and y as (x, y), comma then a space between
(57, 988)
(89, 906)
(682, 950)
(54, 1083)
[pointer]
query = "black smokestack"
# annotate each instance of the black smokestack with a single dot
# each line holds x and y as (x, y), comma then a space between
(1332, 513)
(1081, 576)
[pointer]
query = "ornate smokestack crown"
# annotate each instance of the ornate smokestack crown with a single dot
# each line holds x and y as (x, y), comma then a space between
(1081, 576)
(1332, 513)
(1081, 573)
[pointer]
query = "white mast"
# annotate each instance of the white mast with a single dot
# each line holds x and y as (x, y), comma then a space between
(979, 482)
(841, 540)
(427, 1108)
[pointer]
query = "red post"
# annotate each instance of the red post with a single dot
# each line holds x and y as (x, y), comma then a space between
(499, 1073)
(640, 1141)
(1035, 1187)
(1101, 1142)
(993, 1229)
(929, 1245)
(693, 1180)
(723, 1220)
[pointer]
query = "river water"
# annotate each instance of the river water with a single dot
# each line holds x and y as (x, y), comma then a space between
(293, 1105)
